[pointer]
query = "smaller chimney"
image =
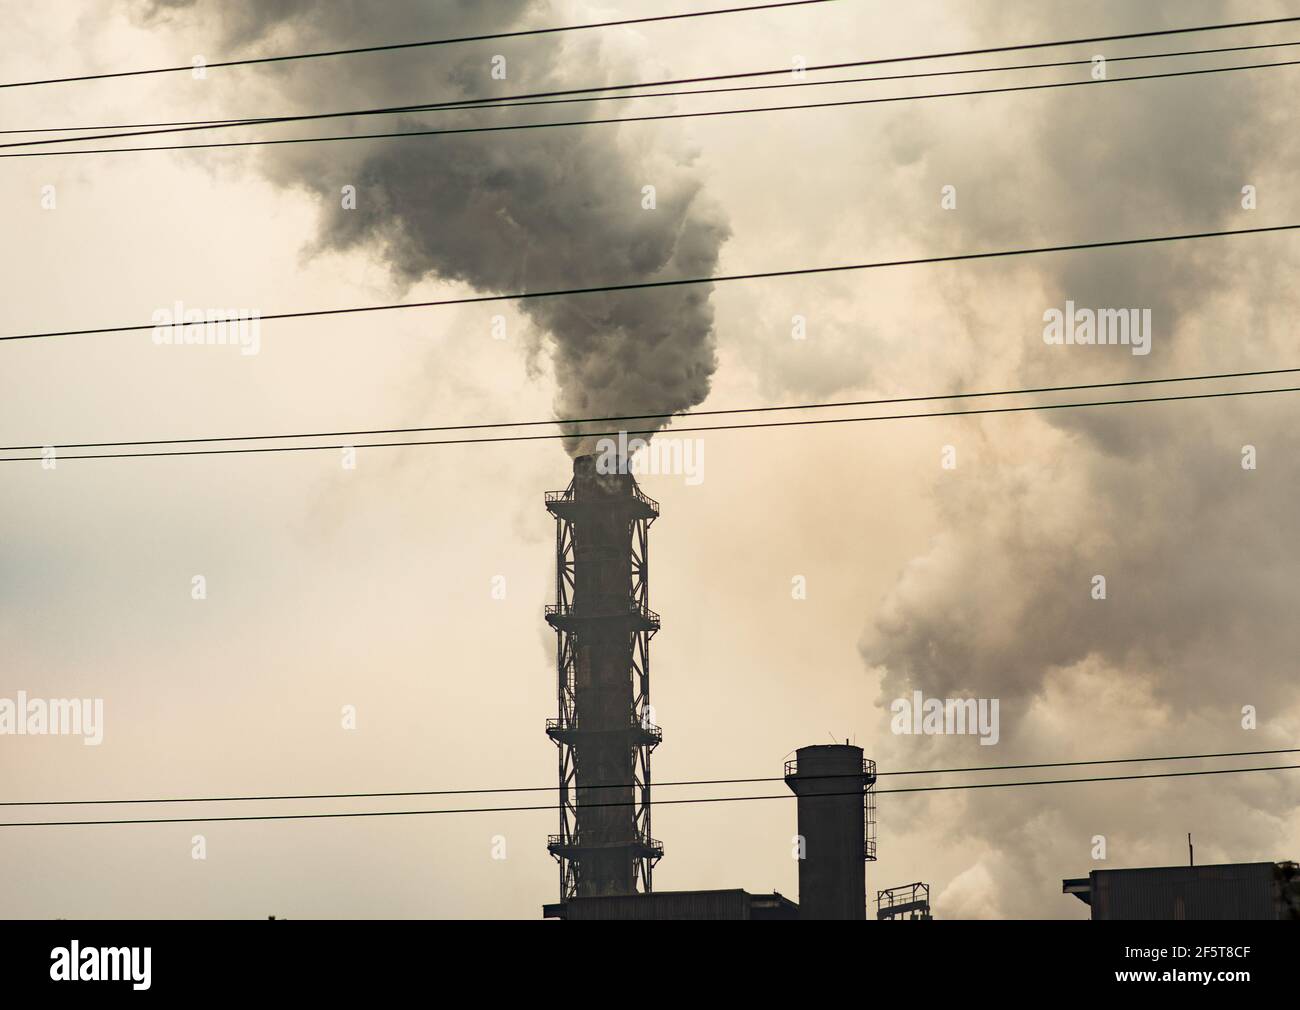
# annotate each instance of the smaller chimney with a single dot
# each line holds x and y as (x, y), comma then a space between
(831, 782)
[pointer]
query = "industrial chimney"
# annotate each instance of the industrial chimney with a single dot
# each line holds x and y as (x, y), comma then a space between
(603, 732)
(837, 825)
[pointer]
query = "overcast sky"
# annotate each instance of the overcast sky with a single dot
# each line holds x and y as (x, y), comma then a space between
(373, 587)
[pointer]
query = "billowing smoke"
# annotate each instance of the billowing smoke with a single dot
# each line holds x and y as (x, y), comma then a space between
(1192, 635)
(1198, 553)
(502, 212)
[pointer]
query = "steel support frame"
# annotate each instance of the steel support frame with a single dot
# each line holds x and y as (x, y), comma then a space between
(640, 715)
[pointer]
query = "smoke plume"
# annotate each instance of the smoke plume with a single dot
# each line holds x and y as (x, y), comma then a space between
(1154, 498)
(502, 212)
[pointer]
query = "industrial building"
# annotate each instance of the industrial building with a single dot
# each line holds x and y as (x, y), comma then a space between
(1221, 891)
(604, 734)
(676, 905)
(836, 827)
(904, 902)
(603, 730)
(836, 810)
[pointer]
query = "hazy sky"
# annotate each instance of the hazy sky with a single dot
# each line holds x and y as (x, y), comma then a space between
(372, 587)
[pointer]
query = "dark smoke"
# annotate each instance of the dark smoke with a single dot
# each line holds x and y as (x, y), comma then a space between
(501, 212)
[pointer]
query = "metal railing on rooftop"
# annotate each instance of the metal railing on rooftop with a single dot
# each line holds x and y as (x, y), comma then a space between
(631, 609)
(652, 846)
(568, 496)
(868, 771)
(634, 725)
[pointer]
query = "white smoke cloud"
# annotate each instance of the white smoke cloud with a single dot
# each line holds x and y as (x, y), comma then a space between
(1195, 623)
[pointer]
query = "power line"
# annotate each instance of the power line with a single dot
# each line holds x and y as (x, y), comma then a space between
(589, 806)
(675, 431)
(523, 100)
(628, 785)
(520, 33)
(1098, 778)
(667, 17)
(1099, 761)
(667, 415)
(687, 281)
(660, 117)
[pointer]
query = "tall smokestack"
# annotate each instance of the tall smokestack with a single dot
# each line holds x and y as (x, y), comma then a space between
(833, 784)
(603, 731)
